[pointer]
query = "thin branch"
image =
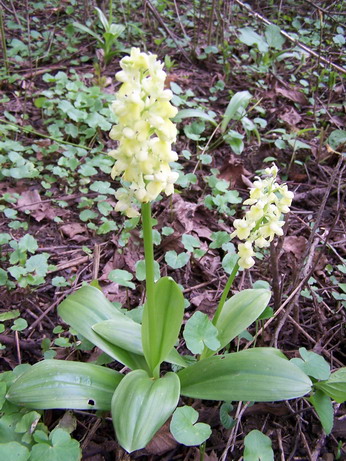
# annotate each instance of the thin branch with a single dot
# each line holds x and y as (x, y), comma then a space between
(293, 40)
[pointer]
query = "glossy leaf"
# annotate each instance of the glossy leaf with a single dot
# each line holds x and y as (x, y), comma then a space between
(127, 334)
(64, 384)
(141, 405)
(260, 374)
(324, 409)
(88, 306)
(160, 329)
(122, 332)
(239, 313)
(184, 428)
(335, 386)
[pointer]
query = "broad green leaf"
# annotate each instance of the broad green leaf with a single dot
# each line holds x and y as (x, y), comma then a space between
(239, 313)
(86, 29)
(194, 113)
(239, 100)
(64, 384)
(88, 306)
(249, 37)
(259, 374)
(122, 332)
(184, 429)
(160, 328)
(141, 405)
(324, 409)
(60, 446)
(14, 451)
(335, 386)
(200, 332)
(102, 18)
(257, 447)
(312, 364)
(127, 334)
(274, 37)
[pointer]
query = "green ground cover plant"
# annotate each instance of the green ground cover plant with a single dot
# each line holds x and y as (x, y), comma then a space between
(251, 90)
(142, 400)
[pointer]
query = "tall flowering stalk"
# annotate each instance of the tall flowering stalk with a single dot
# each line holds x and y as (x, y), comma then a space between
(144, 132)
(145, 135)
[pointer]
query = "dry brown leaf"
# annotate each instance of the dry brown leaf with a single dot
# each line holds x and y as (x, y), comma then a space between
(295, 245)
(291, 117)
(234, 172)
(292, 94)
(114, 292)
(162, 442)
(74, 231)
(30, 200)
(187, 219)
(205, 303)
(197, 455)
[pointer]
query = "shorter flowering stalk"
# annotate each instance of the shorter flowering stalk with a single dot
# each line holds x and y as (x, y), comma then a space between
(263, 220)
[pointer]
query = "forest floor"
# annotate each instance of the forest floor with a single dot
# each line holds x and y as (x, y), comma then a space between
(56, 187)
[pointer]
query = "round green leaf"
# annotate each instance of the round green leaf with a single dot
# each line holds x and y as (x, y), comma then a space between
(200, 332)
(312, 364)
(176, 261)
(184, 429)
(258, 447)
(14, 451)
(122, 278)
(19, 325)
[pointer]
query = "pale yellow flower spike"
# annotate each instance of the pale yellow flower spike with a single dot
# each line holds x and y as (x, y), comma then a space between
(144, 132)
(262, 222)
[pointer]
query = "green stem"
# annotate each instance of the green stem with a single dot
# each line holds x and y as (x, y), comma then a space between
(3, 42)
(207, 352)
(149, 267)
(225, 293)
(37, 133)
